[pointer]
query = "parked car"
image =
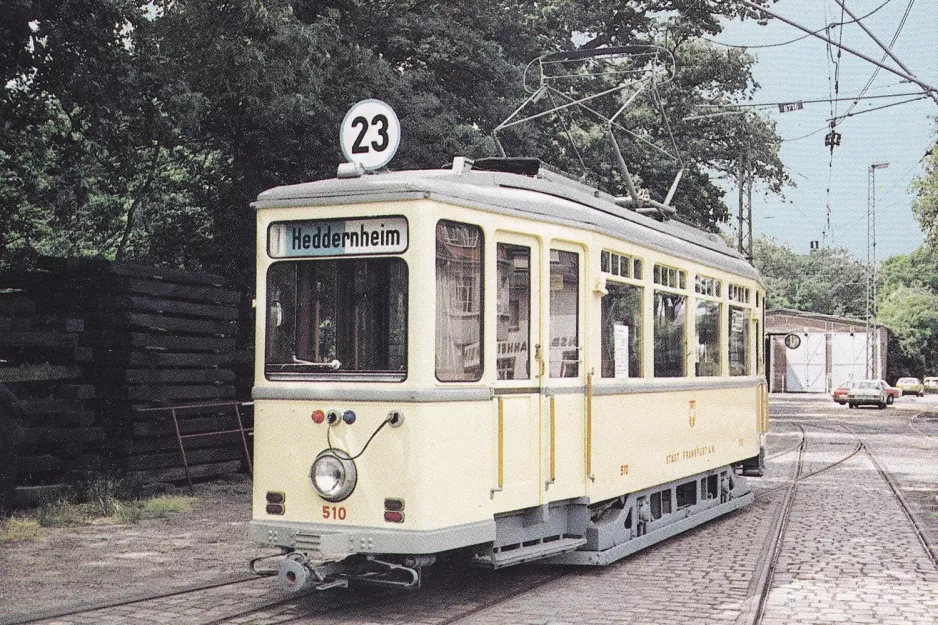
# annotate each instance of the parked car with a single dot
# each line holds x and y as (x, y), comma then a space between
(892, 392)
(868, 393)
(911, 386)
(840, 393)
(930, 384)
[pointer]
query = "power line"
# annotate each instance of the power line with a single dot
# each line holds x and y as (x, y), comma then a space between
(927, 88)
(885, 106)
(895, 37)
(814, 101)
(785, 43)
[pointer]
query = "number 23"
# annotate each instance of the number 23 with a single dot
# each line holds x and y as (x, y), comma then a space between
(377, 120)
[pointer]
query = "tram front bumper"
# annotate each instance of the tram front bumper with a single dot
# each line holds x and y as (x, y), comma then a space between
(322, 540)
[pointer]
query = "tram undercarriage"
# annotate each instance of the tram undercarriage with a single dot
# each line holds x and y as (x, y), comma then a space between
(571, 532)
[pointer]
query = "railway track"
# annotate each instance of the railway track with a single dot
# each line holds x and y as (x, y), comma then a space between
(754, 612)
(110, 605)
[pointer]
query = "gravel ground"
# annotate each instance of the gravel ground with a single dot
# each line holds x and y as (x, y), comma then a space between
(71, 567)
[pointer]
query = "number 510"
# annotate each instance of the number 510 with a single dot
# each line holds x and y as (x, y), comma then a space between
(333, 512)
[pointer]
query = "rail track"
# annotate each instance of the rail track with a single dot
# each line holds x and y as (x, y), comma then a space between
(754, 612)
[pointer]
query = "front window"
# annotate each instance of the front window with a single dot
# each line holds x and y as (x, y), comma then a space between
(337, 319)
(458, 302)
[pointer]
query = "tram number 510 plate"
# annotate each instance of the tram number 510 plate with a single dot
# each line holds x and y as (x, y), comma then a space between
(370, 134)
(334, 512)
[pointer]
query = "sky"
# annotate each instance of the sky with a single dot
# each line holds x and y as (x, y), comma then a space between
(899, 135)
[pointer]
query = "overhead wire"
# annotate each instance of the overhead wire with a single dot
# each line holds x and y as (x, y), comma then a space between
(785, 43)
(828, 228)
(812, 101)
(895, 37)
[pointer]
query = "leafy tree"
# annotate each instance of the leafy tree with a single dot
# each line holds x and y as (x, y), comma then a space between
(912, 314)
(926, 205)
(908, 305)
(828, 281)
(142, 129)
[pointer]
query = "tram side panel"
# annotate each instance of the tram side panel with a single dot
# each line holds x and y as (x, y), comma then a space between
(644, 439)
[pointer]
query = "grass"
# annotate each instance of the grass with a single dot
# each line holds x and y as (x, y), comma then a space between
(164, 505)
(108, 500)
(19, 530)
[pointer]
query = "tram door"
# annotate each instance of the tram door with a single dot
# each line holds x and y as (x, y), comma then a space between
(518, 383)
(563, 408)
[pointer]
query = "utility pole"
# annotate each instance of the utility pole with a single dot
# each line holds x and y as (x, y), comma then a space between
(872, 345)
(744, 234)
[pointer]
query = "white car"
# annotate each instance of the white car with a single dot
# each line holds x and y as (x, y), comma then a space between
(868, 392)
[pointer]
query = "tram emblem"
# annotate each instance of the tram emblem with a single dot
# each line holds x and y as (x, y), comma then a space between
(692, 412)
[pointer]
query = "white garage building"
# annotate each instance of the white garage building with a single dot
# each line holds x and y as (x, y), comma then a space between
(811, 353)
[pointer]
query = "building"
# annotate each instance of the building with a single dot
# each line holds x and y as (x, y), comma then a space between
(810, 353)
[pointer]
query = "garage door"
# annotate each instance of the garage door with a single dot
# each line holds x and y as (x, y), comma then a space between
(807, 365)
(848, 357)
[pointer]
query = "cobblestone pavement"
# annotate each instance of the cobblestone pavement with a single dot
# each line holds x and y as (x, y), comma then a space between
(849, 554)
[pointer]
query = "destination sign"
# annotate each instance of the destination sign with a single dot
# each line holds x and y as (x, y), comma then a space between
(338, 237)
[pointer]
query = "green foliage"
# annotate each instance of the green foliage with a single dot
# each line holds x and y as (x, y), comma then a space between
(16, 529)
(828, 281)
(926, 205)
(61, 513)
(142, 130)
(912, 314)
(908, 305)
(164, 505)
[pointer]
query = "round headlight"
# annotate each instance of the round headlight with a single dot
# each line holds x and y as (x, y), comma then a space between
(333, 475)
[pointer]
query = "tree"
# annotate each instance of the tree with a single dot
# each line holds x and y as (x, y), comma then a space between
(926, 205)
(828, 281)
(908, 305)
(912, 314)
(142, 129)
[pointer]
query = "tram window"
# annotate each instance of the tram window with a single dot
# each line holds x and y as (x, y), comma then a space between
(670, 337)
(621, 340)
(655, 501)
(708, 338)
(739, 342)
(514, 312)
(564, 314)
(666, 501)
(458, 302)
(335, 317)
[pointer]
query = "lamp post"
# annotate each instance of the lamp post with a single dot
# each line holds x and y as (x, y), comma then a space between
(872, 351)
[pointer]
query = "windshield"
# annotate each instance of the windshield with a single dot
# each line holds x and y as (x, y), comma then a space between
(342, 318)
(868, 384)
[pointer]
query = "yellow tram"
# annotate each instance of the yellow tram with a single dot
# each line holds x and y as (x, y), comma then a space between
(496, 361)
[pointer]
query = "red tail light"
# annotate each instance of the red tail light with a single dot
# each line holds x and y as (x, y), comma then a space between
(394, 517)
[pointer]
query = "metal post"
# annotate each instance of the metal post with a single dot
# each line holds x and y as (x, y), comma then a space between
(872, 353)
(742, 187)
(182, 450)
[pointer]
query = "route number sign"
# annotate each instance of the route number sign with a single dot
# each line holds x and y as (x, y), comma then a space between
(789, 107)
(370, 134)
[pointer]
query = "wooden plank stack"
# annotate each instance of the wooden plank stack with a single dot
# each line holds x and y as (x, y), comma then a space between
(41, 362)
(147, 338)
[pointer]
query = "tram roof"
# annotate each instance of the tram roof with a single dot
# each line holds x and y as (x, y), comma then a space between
(545, 196)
